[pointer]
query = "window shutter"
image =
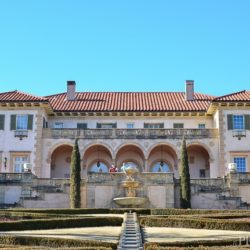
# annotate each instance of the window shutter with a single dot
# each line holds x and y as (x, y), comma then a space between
(146, 125)
(161, 125)
(98, 125)
(2, 122)
(30, 122)
(13, 122)
(229, 122)
(247, 122)
(114, 125)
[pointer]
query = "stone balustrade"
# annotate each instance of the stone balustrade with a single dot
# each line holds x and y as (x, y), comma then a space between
(130, 133)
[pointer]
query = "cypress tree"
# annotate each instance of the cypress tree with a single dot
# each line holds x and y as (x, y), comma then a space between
(75, 178)
(185, 190)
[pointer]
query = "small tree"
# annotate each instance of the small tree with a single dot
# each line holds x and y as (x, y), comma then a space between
(75, 178)
(185, 190)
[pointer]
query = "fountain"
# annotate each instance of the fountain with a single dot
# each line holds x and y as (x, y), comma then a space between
(130, 185)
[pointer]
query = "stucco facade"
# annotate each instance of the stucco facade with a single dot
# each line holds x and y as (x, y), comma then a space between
(39, 132)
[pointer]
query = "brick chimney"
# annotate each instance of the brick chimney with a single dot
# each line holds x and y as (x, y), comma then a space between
(71, 90)
(189, 90)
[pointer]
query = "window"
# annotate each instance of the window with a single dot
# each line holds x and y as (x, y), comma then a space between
(201, 125)
(154, 125)
(241, 163)
(21, 122)
(106, 125)
(58, 125)
(238, 122)
(160, 167)
(18, 163)
(82, 125)
(178, 125)
(130, 125)
(45, 123)
(99, 167)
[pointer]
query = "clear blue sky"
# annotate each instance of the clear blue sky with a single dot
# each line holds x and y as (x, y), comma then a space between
(124, 45)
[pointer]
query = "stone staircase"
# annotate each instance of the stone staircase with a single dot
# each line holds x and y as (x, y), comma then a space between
(131, 235)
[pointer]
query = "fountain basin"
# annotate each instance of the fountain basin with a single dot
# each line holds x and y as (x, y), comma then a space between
(130, 184)
(130, 201)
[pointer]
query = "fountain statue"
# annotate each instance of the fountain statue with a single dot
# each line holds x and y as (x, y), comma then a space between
(130, 185)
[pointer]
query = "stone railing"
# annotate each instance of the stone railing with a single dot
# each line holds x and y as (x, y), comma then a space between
(244, 177)
(130, 133)
(16, 177)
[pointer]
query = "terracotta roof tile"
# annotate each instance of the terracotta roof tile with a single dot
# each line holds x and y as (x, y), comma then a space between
(17, 96)
(129, 101)
(235, 97)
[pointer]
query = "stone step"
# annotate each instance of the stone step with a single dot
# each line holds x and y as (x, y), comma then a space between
(131, 236)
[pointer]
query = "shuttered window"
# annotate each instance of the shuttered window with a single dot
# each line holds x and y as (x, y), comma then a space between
(154, 125)
(2, 119)
(82, 125)
(106, 125)
(21, 122)
(178, 125)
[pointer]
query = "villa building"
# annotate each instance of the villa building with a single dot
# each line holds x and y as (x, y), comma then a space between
(143, 129)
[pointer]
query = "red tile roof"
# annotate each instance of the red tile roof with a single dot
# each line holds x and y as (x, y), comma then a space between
(126, 101)
(17, 96)
(235, 97)
(129, 101)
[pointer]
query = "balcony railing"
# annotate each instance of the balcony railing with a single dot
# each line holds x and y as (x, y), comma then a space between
(130, 133)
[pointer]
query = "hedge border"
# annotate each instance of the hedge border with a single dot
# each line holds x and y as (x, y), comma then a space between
(53, 242)
(60, 223)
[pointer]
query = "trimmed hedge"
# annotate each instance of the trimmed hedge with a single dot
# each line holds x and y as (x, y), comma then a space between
(60, 223)
(176, 211)
(54, 242)
(82, 211)
(199, 223)
(197, 243)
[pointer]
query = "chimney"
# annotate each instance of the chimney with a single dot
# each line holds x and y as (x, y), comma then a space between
(189, 90)
(71, 89)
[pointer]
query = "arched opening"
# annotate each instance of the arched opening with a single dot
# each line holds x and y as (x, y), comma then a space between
(198, 159)
(60, 162)
(163, 158)
(130, 155)
(97, 159)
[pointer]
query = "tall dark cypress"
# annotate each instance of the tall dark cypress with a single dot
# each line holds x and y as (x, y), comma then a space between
(185, 189)
(75, 178)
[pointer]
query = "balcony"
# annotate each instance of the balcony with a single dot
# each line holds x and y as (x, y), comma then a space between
(130, 133)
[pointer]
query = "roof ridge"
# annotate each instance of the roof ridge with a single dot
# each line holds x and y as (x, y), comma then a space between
(3, 93)
(36, 96)
(231, 94)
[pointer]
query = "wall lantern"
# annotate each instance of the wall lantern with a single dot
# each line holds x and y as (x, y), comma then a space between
(5, 160)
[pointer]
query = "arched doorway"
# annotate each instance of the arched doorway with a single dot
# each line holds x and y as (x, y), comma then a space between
(60, 162)
(97, 159)
(130, 155)
(198, 158)
(163, 158)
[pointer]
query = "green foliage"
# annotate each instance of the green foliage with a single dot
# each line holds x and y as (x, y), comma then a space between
(69, 211)
(75, 178)
(174, 211)
(227, 244)
(198, 223)
(56, 242)
(60, 223)
(185, 190)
